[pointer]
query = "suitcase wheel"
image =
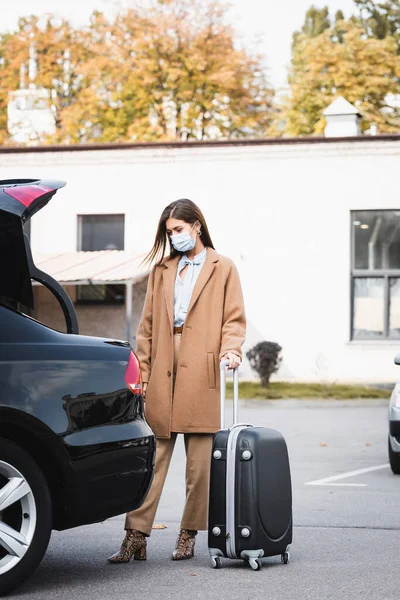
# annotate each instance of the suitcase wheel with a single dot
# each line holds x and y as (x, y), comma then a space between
(285, 558)
(255, 564)
(216, 562)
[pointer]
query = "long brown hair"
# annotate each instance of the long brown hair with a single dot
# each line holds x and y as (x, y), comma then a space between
(184, 210)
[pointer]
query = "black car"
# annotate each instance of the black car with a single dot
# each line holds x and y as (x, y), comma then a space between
(75, 447)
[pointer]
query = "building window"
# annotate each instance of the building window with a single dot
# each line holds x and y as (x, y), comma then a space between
(375, 274)
(100, 294)
(101, 232)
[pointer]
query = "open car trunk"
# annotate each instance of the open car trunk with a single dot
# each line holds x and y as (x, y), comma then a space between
(19, 200)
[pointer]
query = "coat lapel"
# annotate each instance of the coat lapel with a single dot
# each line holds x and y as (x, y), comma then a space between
(204, 276)
(169, 276)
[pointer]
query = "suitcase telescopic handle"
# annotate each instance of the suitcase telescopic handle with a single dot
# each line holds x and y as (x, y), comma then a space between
(222, 388)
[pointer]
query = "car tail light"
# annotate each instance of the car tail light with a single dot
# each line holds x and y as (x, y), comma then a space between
(396, 396)
(26, 194)
(132, 374)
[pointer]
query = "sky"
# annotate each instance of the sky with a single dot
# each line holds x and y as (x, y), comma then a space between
(271, 21)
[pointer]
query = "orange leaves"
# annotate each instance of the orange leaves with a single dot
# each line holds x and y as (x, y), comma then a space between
(342, 60)
(168, 71)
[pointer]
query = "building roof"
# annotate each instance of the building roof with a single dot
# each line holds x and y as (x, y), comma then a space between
(280, 141)
(340, 107)
(106, 266)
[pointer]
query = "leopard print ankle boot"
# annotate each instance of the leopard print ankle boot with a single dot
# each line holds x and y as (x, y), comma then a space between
(134, 545)
(185, 544)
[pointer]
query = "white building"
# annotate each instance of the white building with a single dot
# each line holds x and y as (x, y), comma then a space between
(312, 224)
(30, 118)
(29, 115)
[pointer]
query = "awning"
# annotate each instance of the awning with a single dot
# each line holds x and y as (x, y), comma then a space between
(105, 266)
(97, 268)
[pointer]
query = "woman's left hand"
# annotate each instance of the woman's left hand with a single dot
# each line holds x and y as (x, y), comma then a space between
(234, 360)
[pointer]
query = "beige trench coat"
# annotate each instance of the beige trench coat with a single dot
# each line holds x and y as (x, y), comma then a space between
(215, 324)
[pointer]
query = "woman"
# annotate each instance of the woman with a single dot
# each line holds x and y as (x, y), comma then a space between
(193, 317)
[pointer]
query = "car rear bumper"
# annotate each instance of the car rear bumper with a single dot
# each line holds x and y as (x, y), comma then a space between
(107, 478)
(395, 443)
(394, 426)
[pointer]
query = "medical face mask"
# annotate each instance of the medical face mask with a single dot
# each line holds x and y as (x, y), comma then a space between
(183, 242)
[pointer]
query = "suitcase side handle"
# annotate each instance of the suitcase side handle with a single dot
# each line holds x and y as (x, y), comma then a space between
(222, 391)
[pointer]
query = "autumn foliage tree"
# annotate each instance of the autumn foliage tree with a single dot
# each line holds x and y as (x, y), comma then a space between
(381, 18)
(172, 70)
(54, 41)
(341, 60)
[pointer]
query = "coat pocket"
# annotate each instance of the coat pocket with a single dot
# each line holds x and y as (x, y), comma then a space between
(211, 370)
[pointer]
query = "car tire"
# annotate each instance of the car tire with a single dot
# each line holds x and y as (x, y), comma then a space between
(26, 508)
(394, 460)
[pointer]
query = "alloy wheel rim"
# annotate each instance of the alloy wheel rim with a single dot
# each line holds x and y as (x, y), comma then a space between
(16, 531)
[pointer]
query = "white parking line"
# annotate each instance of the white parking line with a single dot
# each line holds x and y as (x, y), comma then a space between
(330, 480)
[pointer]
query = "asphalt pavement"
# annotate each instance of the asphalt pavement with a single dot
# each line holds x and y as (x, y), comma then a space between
(346, 505)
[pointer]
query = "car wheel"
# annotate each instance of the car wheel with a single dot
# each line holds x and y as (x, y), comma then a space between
(394, 460)
(25, 515)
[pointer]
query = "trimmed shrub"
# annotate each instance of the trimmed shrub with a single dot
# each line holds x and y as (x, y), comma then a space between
(265, 360)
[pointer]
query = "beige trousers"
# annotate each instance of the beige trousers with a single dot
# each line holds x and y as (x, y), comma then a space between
(198, 448)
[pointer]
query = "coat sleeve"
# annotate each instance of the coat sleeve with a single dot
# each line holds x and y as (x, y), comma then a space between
(144, 331)
(234, 319)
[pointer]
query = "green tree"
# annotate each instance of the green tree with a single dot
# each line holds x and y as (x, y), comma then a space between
(380, 18)
(316, 22)
(339, 16)
(342, 61)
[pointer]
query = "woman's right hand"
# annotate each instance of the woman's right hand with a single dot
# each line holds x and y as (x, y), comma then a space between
(144, 390)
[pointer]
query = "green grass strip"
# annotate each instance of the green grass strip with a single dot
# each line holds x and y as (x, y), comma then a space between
(280, 390)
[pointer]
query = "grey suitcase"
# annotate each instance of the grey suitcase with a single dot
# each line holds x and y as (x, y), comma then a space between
(250, 509)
